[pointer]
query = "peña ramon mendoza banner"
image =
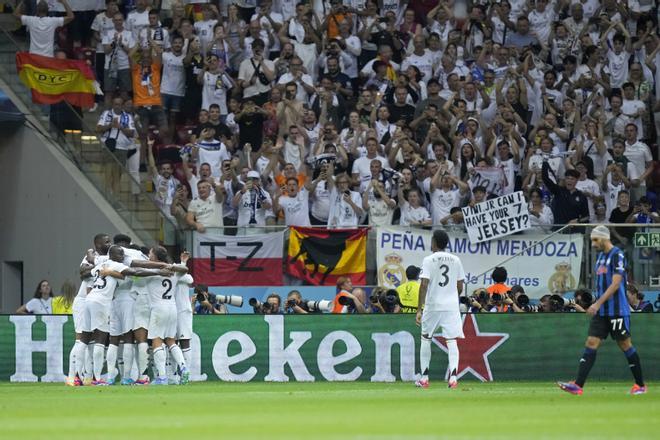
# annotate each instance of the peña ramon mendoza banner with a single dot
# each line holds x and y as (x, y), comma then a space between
(321, 256)
(52, 80)
(227, 260)
(377, 348)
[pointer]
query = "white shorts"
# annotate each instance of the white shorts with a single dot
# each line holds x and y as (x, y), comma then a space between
(99, 316)
(80, 317)
(450, 322)
(121, 318)
(141, 312)
(162, 323)
(184, 322)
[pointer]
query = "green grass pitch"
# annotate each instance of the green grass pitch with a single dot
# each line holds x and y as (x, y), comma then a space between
(504, 410)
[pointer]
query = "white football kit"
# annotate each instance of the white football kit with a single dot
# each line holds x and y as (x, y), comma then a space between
(99, 299)
(80, 318)
(184, 310)
(441, 309)
(163, 315)
(123, 304)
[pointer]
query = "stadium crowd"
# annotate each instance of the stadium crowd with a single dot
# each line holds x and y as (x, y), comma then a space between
(250, 113)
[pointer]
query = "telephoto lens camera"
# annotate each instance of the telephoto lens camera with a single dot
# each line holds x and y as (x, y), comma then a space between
(324, 306)
(232, 300)
(345, 301)
(260, 308)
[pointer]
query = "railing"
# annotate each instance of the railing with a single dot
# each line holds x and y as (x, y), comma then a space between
(561, 255)
(84, 148)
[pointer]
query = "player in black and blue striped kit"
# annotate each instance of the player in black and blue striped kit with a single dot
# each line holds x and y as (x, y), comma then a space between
(610, 311)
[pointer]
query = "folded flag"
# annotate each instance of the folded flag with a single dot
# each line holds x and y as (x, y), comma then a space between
(53, 80)
(320, 256)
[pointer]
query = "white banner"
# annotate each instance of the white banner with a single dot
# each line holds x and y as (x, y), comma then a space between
(491, 178)
(552, 266)
(496, 218)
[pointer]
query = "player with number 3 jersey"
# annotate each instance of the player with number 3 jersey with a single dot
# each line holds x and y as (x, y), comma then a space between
(441, 283)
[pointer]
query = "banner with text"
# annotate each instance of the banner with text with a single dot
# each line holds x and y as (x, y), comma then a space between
(551, 266)
(497, 217)
(225, 260)
(376, 348)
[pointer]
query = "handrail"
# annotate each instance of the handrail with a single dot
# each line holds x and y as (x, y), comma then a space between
(107, 158)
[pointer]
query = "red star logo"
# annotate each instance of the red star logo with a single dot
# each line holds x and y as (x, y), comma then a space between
(474, 349)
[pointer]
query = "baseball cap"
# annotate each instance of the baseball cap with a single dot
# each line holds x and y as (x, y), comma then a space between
(253, 175)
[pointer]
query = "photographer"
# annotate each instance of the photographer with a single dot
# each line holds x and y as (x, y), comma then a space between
(204, 303)
(409, 291)
(294, 304)
(520, 301)
(272, 306)
(498, 276)
(385, 301)
(478, 302)
(345, 301)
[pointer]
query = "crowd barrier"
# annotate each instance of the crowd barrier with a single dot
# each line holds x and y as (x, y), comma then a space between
(382, 348)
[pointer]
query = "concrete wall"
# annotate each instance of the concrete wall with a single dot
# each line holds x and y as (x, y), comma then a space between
(49, 213)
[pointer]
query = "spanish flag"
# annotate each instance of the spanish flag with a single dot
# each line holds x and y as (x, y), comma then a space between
(53, 80)
(320, 256)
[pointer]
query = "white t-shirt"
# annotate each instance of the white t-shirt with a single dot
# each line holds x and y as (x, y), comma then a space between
(362, 167)
(214, 90)
(136, 21)
(174, 75)
(441, 203)
(592, 187)
(611, 195)
(87, 282)
(103, 25)
(380, 213)
(126, 288)
(213, 154)
(165, 190)
(444, 271)
(630, 107)
(245, 72)
(204, 30)
(638, 154)
(618, 67)
(42, 30)
(541, 22)
(423, 62)
(125, 121)
(118, 57)
(182, 297)
(207, 212)
(410, 214)
(250, 204)
(321, 201)
(103, 288)
(296, 209)
(39, 306)
(342, 215)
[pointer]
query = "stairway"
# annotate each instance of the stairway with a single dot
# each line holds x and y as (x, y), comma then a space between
(86, 151)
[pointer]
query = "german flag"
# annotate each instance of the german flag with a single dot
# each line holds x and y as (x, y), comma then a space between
(53, 80)
(320, 256)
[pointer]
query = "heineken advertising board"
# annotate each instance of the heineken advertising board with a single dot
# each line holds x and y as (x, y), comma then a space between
(378, 348)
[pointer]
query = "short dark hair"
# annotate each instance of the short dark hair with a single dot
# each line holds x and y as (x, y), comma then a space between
(161, 254)
(440, 238)
(499, 274)
(412, 272)
(572, 173)
(121, 238)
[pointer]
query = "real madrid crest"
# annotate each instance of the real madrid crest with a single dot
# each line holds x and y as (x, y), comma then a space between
(392, 274)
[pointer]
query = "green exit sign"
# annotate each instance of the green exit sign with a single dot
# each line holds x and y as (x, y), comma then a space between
(647, 239)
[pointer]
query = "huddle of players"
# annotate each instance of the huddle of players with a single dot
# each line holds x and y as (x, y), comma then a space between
(126, 299)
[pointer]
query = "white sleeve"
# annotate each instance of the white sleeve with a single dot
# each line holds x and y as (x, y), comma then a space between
(187, 279)
(30, 305)
(460, 275)
(426, 269)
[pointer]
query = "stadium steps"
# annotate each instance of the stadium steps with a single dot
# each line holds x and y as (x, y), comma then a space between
(86, 151)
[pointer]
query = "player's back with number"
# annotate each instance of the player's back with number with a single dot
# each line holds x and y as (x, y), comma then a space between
(103, 288)
(162, 291)
(443, 270)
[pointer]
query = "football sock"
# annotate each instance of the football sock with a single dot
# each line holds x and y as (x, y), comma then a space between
(129, 355)
(187, 356)
(111, 360)
(89, 359)
(425, 357)
(177, 356)
(99, 351)
(635, 365)
(452, 348)
(142, 358)
(159, 361)
(81, 356)
(73, 369)
(586, 362)
(120, 359)
(170, 366)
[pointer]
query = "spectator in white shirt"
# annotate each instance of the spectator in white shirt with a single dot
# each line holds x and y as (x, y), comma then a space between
(206, 210)
(41, 303)
(345, 211)
(42, 27)
(294, 205)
